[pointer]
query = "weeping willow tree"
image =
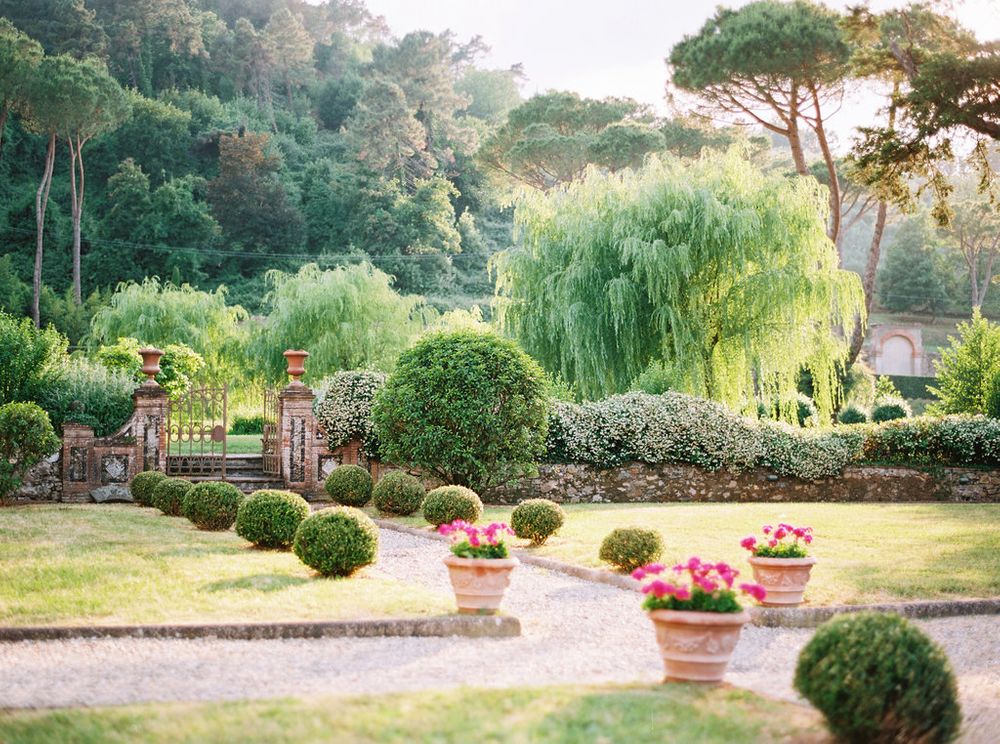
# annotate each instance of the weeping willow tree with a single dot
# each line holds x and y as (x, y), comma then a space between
(718, 274)
(348, 317)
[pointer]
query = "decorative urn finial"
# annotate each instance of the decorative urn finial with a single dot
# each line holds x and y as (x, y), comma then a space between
(296, 364)
(151, 364)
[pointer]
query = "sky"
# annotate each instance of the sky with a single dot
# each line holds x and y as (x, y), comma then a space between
(604, 48)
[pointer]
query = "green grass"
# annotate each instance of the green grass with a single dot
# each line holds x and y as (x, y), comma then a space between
(674, 713)
(243, 444)
(77, 564)
(866, 552)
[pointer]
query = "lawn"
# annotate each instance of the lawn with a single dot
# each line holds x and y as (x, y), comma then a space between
(866, 552)
(674, 713)
(243, 444)
(74, 565)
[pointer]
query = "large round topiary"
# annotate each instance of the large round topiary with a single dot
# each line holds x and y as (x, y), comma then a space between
(337, 541)
(853, 414)
(468, 407)
(269, 519)
(143, 485)
(890, 408)
(212, 505)
(878, 678)
(398, 493)
(627, 548)
(168, 495)
(349, 485)
(536, 519)
(445, 504)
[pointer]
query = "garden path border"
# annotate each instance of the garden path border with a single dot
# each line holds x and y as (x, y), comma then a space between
(767, 617)
(468, 626)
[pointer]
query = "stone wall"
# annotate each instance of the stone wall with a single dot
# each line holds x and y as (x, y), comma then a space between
(43, 482)
(635, 482)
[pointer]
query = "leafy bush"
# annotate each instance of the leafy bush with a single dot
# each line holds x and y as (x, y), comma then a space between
(212, 505)
(537, 519)
(801, 408)
(398, 493)
(809, 455)
(344, 410)
(168, 495)
(143, 485)
(853, 414)
(269, 519)
(628, 548)
(28, 357)
(87, 393)
(349, 485)
(993, 397)
(877, 678)
(967, 367)
(467, 406)
(26, 437)
(445, 504)
(890, 408)
(178, 365)
(950, 440)
(911, 387)
(247, 425)
(337, 541)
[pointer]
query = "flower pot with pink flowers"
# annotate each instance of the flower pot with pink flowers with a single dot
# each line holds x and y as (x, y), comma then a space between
(781, 563)
(697, 616)
(479, 566)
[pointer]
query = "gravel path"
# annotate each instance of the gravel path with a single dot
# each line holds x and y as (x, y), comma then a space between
(573, 631)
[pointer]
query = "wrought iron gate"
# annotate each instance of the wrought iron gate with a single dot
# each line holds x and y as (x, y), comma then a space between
(196, 433)
(270, 444)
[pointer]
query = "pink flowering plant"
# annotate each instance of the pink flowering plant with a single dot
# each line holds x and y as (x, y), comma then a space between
(469, 541)
(695, 586)
(783, 541)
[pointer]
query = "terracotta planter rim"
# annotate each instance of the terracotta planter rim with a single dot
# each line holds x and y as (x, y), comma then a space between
(484, 562)
(807, 561)
(692, 617)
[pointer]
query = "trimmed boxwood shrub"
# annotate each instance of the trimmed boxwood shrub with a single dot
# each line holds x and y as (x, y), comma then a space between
(536, 519)
(337, 541)
(212, 505)
(877, 678)
(890, 408)
(853, 414)
(627, 548)
(349, 485)
(445, 504)
(398, 493)
(269, 519)
(143, 485)
(168, 495)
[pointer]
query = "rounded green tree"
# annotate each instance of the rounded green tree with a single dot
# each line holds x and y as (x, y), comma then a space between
(466, 406)
(349, 485)
(337, 541)
(212, 505)
(269, 519)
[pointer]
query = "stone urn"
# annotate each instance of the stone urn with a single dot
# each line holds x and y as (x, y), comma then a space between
(784, 578)
(697, 646)
(479, 583)
(296, 364)
(150, 364)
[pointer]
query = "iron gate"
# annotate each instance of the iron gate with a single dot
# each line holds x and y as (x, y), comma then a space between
(196, 433)
(270, 444)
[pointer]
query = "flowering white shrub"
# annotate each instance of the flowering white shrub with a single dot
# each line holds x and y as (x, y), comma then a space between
(344, 410)
(950, 440)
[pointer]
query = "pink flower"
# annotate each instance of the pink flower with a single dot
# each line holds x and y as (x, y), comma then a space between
(682, 593)
(750, 543)
(799, 532)
(772, 543)
(655, 568)
(659, 589)
(473, 539)
(754, 590)
(780, 534)
(767, 529)
(808, 539)
(639, 574)
(707, 585)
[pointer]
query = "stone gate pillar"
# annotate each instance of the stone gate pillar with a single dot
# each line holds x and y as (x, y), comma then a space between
(149, 420)
(297, 430)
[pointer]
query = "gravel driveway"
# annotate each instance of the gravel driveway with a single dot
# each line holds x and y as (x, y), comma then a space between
(573, 631)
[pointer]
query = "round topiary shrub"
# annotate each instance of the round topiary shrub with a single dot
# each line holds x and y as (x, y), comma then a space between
(398, 493)
(627, 548)
(143, 485)
(269, 519)
(445, 504)
(878, 678)
(349, 485)
(853, 414)
(212, 505)
(536, 519)
(168, 495)
(337, 541)
(890, 408)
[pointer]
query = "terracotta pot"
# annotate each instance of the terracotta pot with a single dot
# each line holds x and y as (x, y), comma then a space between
(150, 364)
(296, 364)
(696, 646)
(784, 578)
(479, 583)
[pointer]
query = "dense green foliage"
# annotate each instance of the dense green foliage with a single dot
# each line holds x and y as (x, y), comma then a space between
(87, 393)
(349, 485)
(445, 504)
(951, 440)
(466, 406)
(537, 520)
(876, 677)
(168, 495)
(247, 425)
(890, 408)
(269, 519)
(628, 548)
(721, 272)
(398, 494)
(212, 505)
(967, 367)
(26, 436)
(337, 541)
(178, 366)
(143, 484)
(344, 409)
(853, 414)
(28, 358)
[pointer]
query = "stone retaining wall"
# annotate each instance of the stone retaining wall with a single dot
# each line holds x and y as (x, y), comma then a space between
(636, 482)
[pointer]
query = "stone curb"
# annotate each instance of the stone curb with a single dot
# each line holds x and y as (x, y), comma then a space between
(767, 617)
(468, 626)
